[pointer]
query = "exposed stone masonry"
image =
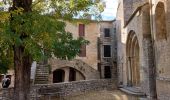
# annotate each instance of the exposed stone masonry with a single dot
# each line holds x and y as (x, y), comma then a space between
(75, 88)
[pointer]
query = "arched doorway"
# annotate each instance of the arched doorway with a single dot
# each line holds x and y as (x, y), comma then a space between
(133, 64)
(67, 74)
(58, 76)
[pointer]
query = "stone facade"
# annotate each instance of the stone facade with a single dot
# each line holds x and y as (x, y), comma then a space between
(143, 46)
(92, 65)
(84, 66)
(81, 68)
(110, 41)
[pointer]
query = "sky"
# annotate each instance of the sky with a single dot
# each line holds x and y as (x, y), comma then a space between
(110, 10)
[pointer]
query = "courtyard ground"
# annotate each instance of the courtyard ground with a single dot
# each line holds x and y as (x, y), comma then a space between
(102, 95)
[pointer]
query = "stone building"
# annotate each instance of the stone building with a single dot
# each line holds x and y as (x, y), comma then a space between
(96, 60)
(143, 46)
(107, 50)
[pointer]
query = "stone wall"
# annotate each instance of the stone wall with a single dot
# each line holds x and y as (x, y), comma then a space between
(74, 88)
(6, 93)
(88, 71)
(154, 53)
(139, 23)
(162, 50)
(92, 31)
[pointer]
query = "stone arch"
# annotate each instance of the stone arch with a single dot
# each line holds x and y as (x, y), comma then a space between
(88, 71)
(160, 21)
(67, 74)
(132, 52)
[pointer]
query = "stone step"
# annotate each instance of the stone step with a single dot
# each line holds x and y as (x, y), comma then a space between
(41, 80)
(41, 77)
(132, 91)
(44, 80)
(45, 72)
(38, 75)
(41, 74)
(42, 69)
(42, 66)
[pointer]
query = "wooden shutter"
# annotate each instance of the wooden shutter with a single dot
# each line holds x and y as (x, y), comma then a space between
(81, 30)
(82, 51)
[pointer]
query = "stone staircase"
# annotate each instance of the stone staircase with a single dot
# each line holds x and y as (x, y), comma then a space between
(42, 73)
(133, 91)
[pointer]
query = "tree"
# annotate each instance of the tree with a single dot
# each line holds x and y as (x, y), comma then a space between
(36, 30)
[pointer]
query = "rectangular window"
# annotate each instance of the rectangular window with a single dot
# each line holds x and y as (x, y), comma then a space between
(107, 72)
(107, 51)
(114, 30)
(81, 30)
(106, 32)
(82, 51)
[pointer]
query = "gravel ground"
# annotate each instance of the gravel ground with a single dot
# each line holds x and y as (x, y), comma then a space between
(102, 95)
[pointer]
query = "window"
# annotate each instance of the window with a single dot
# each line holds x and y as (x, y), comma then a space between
(107, 72)
(81, 30)
(114, 30)
(106, 32)
(107, 51)
(82, 34)
(82, 51)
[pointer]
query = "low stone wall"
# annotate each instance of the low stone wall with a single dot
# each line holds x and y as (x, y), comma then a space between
(74, 88)
(163, 88)
(6, 93)
(63, 89)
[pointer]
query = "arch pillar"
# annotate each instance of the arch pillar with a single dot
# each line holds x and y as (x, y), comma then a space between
(148, 65)
(67, 72)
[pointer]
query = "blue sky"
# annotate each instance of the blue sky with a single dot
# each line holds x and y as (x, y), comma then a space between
(110, 10)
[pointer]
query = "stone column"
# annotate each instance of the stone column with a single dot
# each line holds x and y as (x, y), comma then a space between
(149, 69)
(102, 71)
(67, 72)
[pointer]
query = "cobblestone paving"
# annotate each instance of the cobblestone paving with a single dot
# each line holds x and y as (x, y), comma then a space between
(103, 95)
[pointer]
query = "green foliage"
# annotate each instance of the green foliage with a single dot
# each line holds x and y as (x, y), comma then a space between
(42, 31)
(6, 60)
(4, 65)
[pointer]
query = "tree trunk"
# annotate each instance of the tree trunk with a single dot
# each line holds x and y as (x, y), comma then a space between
(22, 62)
(22, 66)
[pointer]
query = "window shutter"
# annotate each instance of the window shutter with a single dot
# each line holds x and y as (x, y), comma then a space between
(81, 30)
(82, 51)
